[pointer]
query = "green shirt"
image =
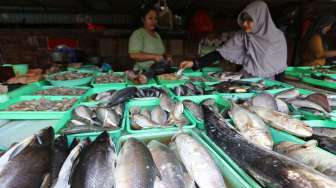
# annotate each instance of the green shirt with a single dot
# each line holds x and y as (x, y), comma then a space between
(142, 41)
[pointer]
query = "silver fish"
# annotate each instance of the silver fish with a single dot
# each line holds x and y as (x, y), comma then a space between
(288, 94)
(135, 166)
(83, 113)
(142, 122)
(63, 179)
(178, 110)
(146, 113)
(195, 109)
(251, 126)
(198, 162)
(321, 131)
(265, 100)
(310, 155)
(282, 106)
(169, 166)
(159, 116)
(299, 103)
(109, 118)
(167, 103)
(283, 122)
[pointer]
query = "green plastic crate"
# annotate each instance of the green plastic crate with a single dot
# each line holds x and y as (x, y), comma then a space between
(231, 177)
(32, 114)
(169, 82)
(75, 82)
(223, 104)
(92, 135)
(320, 123)
(149, 103)
(212, 69)
(50, 87)
(121, 74)
(320, 83)
(297, 72)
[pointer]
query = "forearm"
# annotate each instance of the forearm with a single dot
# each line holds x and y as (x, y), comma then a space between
(206, 60)
(141, 56)
(327, 54)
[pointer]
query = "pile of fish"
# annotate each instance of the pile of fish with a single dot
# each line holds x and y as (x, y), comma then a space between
(269, 168)
(188, 89)
(329, 70)
(184, 163)
(240, 86)
(126, 94)
(43, 104)
(326, 138)
(170, 76)
(71, 75)
(168, 113)
(88, 119)
(109, 78)
(225, 76)
(61, 91)
(198, 79)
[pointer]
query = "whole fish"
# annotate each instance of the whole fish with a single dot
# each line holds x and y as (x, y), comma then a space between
(251, 126)
(310, 155)
(269, 168)
(195, 109)
(167, 103)
(283, 122)
(326, 143)
(265, 100)
(168, 164)
(142, 122)
(81, 129)
(282, 106)
(28, 166)
(135, 166)
(63, 178)
(300, 103)
(109, 118)
(122, 96)
(198, 162)
(96, 165)
(83, 113)
(102, 95)
(321, 100)
(59, 153)
(159, 116)
(327, 132)
(288, 94)
(75, 123)
(178, 110)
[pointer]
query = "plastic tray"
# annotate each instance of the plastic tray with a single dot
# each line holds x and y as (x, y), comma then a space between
(320, 83)
(212, 69)
(231, 177)
(62, 124)
(112, 84)
(169, 82)
(75, 82)
(32, 114)
(306, 71)
(198, 99)
(320, 123)
(148, 103)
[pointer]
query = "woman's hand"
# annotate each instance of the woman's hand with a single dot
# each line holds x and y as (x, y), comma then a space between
(186, 64)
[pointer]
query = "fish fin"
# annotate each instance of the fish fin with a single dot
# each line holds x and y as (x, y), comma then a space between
(73, 168)
(21, 147)
(311, 143)
(46, 183)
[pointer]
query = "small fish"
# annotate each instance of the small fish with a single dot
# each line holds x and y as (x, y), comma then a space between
(109, 118)
(299, 103)
(327, 132)
(142, 122)
(288, 94)
(265, 100)
(282, 106)
(159, 116)
(167, 103)
(195, 109)
(326, 143)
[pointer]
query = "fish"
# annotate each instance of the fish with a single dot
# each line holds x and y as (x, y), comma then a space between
(169, 166)
(146, 113)
(188, 89)
(225, 76)
(141, 122)
(269, 168)
(122, 96)
(283, 122)
(321, 100)
(166, 103)
(59, 153)
(61, 91)
(83, 113)
(43, 104)
(251, 126)
(96, 165)
(326, 143)
(109, 118)
(70, 163)
(109, 78)
(309, 154)
(265, 100)
(288, 94)
(81, 129)
(148, 92)
(327, 132)
(135, 166)
(301, 103)
(198, 162)
(195, 109)
(70, 75)
(282, 106)
(103, 96)
(159, 116)
(28, 166)
(178, 110)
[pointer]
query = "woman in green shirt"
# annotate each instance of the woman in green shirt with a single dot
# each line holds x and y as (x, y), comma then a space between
(145, 44)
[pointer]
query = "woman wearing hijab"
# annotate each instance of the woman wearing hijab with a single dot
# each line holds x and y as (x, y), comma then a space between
(315, 48)
(260, 48)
